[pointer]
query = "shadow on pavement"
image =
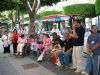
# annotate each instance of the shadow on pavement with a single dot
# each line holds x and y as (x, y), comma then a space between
(54, 68)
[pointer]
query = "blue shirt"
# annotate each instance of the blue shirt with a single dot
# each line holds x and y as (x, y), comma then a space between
(92, 41)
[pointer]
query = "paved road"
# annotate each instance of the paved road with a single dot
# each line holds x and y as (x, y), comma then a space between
(10, 65)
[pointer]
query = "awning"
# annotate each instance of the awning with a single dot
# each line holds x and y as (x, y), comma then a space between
(56, 17)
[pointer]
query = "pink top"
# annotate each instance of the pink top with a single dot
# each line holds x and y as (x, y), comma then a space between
(22, 40)
(48, 41)
(30, 40)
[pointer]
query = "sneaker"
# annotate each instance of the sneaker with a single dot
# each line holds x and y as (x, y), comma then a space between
(67, 67)
(72, 68)
(84, 73)
(62, 66)
(58, 64)
(39, 60)
(16, 54)
(20, 53)
(78, 71)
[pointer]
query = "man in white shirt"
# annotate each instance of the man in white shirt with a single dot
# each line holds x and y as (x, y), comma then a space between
(55, 29)
(63, 27)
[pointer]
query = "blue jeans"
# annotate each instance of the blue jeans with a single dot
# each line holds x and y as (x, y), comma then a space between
(65, 58)
(96, 63)
(87, 63)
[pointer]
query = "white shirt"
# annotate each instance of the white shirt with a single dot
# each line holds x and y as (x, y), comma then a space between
(57, 31)
(64, 29)
(5, 40)
(87, 34)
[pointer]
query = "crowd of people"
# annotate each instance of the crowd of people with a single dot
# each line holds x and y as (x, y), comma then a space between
(67, 47)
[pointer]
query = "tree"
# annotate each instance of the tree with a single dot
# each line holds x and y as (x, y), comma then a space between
(32, 7)
(7, 5)
(97, 7)
(47, 13)
(84, 9)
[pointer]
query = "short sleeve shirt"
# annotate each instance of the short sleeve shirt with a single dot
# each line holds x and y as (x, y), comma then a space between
(67, 44)
(80, 40)
(92, 41)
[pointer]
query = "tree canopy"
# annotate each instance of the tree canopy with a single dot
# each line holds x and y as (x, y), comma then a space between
(46, 13)
(84, 9)
(11, 4)
(7, 5)
(97, 7)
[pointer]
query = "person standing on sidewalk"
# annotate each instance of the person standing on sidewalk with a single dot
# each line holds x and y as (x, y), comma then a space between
(78, 42)
(5, 40)
(64, 27)
(55, 29)
(14, 40)
(93, 46)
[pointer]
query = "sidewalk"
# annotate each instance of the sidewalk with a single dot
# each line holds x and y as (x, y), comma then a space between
(29, 66)
(10, 65)
(14, 66)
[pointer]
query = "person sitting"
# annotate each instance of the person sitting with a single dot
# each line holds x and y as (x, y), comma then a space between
(56, 46)
(46, 46)
(66, 53)
(21, 42)
(34, 46)
(54, 52)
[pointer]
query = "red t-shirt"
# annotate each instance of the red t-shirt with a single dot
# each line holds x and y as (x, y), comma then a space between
(14, 37)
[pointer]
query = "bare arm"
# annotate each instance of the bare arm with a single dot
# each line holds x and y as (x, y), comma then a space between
(63, 49)
(70, 49)
(95, 47)
(74, 35)
(89, 48)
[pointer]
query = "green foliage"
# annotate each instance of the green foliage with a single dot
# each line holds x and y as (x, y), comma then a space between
(84, 9)
(12, 4)
(7, 5)
(22, 9)
(97, 7)
(48, 2)
(46, 13)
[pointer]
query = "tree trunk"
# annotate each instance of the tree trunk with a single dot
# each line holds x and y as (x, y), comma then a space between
(31, 23)
(32, 10)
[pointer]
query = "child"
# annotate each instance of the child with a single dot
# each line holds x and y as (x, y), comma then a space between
(54, 52)
(46, 46)
(5, 43)
(21, 43)
(34, 46)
